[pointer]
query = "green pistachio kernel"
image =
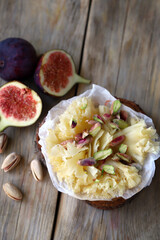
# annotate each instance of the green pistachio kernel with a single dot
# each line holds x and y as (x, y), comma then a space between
(109, 169)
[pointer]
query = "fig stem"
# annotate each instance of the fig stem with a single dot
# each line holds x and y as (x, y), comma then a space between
(79, 79)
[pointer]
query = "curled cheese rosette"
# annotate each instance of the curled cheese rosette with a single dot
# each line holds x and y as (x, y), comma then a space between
(96, 148)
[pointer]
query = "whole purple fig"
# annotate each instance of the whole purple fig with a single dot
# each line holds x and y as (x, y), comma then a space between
(17, 59)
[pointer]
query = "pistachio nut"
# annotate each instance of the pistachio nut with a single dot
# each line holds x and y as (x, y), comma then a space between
(95, 129)
(12, 191)
(108, 169)
(3, 142)
(103, 154)
(10, 161)
(115, 107)
(87, 162)
(124, 157)
(37, 170)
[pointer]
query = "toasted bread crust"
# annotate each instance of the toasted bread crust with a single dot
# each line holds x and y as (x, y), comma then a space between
(115, 202)
(107, 205)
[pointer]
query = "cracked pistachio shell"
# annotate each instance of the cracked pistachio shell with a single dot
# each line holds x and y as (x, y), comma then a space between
(12, 191)
(10, 161)
(37, 170)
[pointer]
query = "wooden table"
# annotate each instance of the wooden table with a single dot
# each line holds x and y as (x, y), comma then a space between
(116, 44)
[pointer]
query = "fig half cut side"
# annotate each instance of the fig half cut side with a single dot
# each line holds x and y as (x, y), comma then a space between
(55, 73)
(19, 105)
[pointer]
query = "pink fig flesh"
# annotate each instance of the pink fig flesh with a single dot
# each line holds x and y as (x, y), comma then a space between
(21, 104)
(57, 71)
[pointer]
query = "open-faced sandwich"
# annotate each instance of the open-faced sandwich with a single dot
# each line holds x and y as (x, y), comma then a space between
(99, 150)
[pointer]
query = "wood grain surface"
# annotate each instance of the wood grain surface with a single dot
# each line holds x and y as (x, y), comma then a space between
(47, 25)
(125, 70)
(115, 43)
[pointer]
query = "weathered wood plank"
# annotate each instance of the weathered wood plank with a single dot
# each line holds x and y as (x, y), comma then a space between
(76, 219)
(47, 25)
(139, 72)
(137, 79)
(103, 43)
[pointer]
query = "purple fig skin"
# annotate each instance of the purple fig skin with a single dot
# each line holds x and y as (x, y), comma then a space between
(36, 75)
(17, 59)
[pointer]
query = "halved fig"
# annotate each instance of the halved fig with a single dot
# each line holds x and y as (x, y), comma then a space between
(55, 73)
(19, 105)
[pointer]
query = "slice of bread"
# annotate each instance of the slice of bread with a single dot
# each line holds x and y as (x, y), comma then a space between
(116, 202)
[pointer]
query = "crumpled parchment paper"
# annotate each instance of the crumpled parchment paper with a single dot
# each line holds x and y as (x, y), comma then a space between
(98, 95)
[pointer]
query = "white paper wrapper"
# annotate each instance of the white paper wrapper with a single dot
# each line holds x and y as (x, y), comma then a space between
(98, 95)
